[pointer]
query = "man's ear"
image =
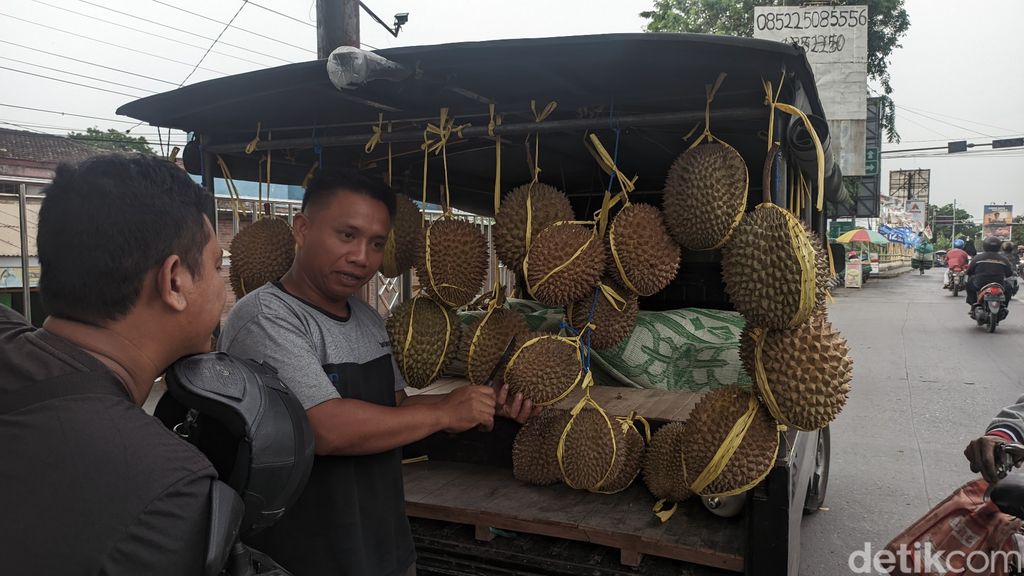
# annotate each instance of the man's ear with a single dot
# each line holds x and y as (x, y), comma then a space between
(172, 280)
(300, 227)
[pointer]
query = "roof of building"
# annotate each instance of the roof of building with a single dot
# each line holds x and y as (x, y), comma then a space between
(46, 148)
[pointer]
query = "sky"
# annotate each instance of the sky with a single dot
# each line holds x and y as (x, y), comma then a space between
(958, 76)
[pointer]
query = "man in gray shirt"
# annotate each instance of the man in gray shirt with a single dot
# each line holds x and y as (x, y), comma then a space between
(332, 350)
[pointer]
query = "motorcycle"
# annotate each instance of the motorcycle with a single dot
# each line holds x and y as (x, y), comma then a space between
(957, 280)
(990, 307)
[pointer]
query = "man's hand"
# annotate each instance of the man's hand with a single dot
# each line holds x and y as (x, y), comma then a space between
(468, 407)
(519, 409)
(981, 453)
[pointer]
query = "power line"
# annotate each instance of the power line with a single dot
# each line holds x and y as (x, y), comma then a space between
(76, 74)
(154, 34)
(130, 49)
(70, 82)
(86, 62)
(66, 113)
(934, 119)
(954, 117)
(67, 128)
(183, 31)
(239, 28)
(226, 26)
(282, 14)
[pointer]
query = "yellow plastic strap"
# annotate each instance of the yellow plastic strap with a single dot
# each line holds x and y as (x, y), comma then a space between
(607, 163)
(408, 340)
(435, 140)
(495, 120)
(389, 156)
(563, 265)
(377, 135)
(663, 513)
(618, 262)
(251, 146)
(230, 183)
(270, 136)
(761, 378)
(773, 101)
(173, 156)
(613, 297)
(808, 269)
(476, 334)
(710, 91)
(390, 265)
(728, 447)
(560, 451)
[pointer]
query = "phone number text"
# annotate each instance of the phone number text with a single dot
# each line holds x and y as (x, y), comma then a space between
(807, 20)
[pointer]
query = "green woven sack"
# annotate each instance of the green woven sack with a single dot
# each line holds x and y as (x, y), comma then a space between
(690, 349)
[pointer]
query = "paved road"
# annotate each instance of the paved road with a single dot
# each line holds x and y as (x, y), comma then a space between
(926, 381)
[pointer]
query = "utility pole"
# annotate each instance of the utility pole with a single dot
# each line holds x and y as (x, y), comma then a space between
(337, 24)
(952, 235)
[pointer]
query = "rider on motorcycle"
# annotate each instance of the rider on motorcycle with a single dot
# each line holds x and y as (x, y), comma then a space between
(1010, 252)
(956, 260)
(988, 267)
(1006, 427)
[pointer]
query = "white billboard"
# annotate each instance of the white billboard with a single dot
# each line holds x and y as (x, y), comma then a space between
(836, 40)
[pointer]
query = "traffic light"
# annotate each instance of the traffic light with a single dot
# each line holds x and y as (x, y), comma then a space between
(958, 146)
(1008, 143)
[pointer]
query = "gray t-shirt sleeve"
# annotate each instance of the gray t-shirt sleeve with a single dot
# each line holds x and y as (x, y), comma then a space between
(283, 343)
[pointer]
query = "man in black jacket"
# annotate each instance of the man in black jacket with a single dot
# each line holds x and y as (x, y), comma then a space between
(131, 280)
(988, 267)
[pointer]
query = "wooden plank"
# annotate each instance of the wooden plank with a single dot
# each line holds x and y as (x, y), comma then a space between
(482, 496)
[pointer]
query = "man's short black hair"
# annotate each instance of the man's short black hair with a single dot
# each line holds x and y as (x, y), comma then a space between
(106, 222)
(327, 182)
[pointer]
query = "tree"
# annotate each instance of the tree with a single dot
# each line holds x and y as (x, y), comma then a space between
(1017, 230)
(888, 24)
(113, 140)
(965, 226)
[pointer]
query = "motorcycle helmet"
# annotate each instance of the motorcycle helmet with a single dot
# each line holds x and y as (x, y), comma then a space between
(248, 424)
(1007, 246)
(991, 244)
(958, 243)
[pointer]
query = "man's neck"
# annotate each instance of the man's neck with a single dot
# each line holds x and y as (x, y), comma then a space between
(298, 285)
(132, 366)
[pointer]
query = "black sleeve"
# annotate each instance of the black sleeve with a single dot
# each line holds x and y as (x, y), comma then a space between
(169, 537)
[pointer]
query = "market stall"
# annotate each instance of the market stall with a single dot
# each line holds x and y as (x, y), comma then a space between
(557, 139)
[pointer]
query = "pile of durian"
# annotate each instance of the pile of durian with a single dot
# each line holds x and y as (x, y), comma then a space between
(778, 277)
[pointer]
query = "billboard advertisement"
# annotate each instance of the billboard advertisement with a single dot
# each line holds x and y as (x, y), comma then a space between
(997, 220)
(835, 39)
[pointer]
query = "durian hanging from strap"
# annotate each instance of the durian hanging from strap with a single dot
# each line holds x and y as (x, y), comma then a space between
(641, 254)
(525, 211)
(545, 368)
(803, 374)
(706, 189)
(264, 250)
(564, 263)
(611, 311)
(770, 266)
(453, 263)
(405, 241)
(534, 452)
(424, 339)
(487, 339)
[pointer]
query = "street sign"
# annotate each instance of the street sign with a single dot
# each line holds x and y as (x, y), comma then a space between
(1008, 143)
(871, 164)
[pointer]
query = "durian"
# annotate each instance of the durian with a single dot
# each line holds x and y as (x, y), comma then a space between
(705, 195)
(708, 427)
(453, 262)
(534, 452)
(610, 325)
(663, 467)
(805, 372)
(547, 206)
(545, 369)
(424, 339)
(588, 446)
(641, 253)
(261, 252)
(487, 339)
(405, 239)
(564, 263)
(769, 269)
(629, 452)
